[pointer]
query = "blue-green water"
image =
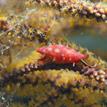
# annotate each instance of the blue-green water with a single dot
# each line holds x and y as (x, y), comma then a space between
(94, 41)
(91, 42)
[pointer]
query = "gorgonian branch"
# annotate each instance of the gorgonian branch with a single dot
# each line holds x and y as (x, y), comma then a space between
(52, 85)
(83, 8)
(31, 64)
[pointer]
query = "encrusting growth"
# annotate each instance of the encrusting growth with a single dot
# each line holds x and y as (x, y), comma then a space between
(84, 8)
(54, 57)
(40, 68)
(61, 54)
(59, 87)
(63, 76)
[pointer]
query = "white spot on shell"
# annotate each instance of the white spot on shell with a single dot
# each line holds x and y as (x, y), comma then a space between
(57, 50)
(63, 55)
(43, 50)
(49, 49)
(68, 51)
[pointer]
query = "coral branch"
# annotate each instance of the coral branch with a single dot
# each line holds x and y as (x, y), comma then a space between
(83, 8)
(31, 64)
(53, 85)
